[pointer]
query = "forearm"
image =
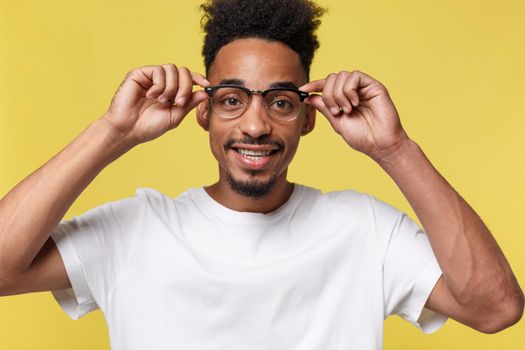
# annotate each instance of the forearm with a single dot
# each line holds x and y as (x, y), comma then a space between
(32, 209)
(474, 268)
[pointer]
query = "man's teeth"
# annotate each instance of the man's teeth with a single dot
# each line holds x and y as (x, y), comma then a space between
(253, 153)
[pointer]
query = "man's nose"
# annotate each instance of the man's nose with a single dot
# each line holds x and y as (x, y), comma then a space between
(255, 120)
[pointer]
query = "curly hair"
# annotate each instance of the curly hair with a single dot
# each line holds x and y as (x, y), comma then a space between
(292, 22)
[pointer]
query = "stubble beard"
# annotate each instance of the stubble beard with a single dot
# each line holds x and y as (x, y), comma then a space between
(252, 188)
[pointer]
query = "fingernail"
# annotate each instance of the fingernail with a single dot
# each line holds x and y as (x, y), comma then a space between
(181, 101)
(162, 99)
(346, 110)
(334, 110)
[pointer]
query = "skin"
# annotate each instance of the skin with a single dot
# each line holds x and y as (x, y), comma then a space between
(260, 64)
(478, 287)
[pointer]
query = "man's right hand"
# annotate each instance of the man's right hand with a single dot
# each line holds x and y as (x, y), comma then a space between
(29, 258)
(152, 100)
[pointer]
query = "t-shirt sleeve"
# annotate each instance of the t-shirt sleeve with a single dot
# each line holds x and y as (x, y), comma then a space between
(410, 268)
(94, 247)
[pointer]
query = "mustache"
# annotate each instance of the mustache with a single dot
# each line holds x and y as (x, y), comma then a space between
(264, 140)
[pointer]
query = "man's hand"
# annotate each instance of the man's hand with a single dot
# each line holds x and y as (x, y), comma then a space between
(359, 109)
(478, 287)
(152, 100)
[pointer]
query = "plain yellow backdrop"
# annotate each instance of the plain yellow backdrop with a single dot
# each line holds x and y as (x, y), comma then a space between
(453, 68)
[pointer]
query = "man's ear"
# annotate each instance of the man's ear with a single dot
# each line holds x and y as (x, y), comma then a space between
(309, 119)
(202, 115)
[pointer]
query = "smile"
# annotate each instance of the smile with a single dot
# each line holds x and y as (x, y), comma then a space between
(254, 157)
(253, 153)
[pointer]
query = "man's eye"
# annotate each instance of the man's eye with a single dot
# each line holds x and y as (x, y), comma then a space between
(231, 101)
(282, 104)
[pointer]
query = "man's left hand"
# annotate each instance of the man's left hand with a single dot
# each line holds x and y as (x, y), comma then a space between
(359, 109)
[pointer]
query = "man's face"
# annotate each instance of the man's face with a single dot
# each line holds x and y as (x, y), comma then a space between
(254, 150)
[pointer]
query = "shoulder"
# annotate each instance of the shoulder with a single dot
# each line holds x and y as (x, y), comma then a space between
(150, 194)
(156, 198)
(345, 198)
(353, 202)
(160, 203)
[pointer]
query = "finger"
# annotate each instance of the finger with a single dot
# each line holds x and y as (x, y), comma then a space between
(364, 86)
(339, 95)
(318, 103)
(195, 98)
(328, 96)
(157, 75)
(355, 82)
(199, 79)
(351, 94)
(373, 90)
(313, 86)
(178, 113)
(185, 86)
(134, 85)
(364, 79)
(172, 82)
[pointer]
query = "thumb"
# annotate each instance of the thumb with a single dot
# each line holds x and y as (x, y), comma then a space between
(181, 112)
(317, 102)
(196, 98)
(314, 85)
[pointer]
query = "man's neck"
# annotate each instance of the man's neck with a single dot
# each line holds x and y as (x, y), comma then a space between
(222, 192)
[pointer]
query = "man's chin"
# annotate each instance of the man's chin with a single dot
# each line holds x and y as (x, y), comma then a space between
(253, 188)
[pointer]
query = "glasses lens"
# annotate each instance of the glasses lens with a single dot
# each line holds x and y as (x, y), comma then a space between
(283, 104)
(229, 102)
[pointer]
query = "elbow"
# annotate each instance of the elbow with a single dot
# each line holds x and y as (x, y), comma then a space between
(5, 286)
(508, 315)
(8, 283)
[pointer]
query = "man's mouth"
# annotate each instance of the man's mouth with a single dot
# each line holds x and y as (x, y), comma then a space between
(255, 157)
(254, 154)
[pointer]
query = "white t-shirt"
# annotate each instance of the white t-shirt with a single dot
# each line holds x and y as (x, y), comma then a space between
(322, 271)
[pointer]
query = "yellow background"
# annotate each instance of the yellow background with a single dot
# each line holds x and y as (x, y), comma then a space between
(455, 70)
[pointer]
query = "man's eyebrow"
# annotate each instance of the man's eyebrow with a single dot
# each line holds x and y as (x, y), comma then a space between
(232, 82)
(283, 84)
(277, 84)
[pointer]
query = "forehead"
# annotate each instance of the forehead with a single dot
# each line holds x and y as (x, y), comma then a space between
(258, 63)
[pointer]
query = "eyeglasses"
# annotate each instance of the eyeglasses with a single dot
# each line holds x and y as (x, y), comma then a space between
(230, 101)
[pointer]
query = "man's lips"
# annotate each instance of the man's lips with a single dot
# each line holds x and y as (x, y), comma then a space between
(254, 157)
(263, 143)
(252, 147)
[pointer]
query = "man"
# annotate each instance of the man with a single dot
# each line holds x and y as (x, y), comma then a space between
(254, 261)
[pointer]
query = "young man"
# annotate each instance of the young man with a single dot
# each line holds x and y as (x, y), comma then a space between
(254, 261)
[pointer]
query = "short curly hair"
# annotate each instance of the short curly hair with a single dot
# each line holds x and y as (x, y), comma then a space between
(292, 22)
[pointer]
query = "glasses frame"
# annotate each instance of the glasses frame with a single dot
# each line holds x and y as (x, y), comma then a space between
(210, 90)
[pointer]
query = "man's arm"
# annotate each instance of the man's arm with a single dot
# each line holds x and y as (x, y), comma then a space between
(478, 287)
(31, 210)
(141, 110)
